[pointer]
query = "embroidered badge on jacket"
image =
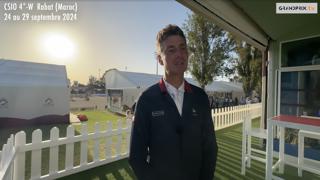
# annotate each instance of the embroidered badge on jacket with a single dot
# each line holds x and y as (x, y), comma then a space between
(157, 113)
(194, 112)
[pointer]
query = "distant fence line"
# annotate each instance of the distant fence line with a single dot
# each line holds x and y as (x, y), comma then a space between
(13, 154)
(229, 116)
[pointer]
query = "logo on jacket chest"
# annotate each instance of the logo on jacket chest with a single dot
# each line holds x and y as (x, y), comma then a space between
(195, 112)
(157, 113)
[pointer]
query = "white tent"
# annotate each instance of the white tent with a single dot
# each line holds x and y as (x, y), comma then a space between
(33, 93)
(123, 88)
(116, 79)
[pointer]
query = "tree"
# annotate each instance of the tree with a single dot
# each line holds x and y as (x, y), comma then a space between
(75, 84)
(249, 67)
(209, 48)
(96, 85)
(91, 84)
(101, 85)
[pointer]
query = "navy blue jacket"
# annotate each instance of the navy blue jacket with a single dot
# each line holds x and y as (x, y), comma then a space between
(168, 146)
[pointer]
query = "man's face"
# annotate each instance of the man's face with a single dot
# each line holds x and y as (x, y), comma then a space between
(174, 55)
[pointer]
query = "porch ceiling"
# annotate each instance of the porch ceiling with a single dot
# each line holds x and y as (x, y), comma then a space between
(256, 21)
(279, 26)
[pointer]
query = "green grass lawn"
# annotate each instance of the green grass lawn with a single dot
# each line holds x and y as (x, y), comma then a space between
(101, 117)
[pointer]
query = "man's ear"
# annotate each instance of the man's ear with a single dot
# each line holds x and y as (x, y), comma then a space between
(159, 59)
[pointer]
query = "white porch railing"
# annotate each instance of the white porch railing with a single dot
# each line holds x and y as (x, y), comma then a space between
(12, 163)
(13, 154)
(229, 116)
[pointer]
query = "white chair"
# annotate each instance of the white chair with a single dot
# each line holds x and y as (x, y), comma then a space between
(247, 133)
(314, 166)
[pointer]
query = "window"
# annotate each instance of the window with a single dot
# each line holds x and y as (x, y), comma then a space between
(300, 78)
(301, 53)
(300, 93)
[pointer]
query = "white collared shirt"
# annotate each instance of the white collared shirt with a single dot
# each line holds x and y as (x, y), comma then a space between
(176, 94)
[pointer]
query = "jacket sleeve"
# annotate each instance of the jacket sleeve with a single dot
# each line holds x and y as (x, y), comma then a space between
(209, 145)
(139, 141)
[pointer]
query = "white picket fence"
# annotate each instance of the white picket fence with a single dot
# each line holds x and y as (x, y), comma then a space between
(13, 154)
(229, 116)
(7, 156)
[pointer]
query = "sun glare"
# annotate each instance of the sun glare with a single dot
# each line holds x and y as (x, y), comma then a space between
(58, 46)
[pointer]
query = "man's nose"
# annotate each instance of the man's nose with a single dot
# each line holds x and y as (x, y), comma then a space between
(180, 52)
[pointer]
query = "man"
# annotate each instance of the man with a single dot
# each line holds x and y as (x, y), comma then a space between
(172, 135)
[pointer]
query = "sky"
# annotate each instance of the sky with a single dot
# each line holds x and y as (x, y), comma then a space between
(107, 34)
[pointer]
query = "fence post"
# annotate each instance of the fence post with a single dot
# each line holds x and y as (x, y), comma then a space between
(228, 115)
(54, 156)
(218, 118)
(84, 145)
(19, 161)
(108, 147)
(11, 145)
(96, 143)
(36, 155)
(69, 148)
(128, 134)
(224, 117)
(6, 161)
(4, 155)
(213, 119)
(236, 114)
(119, 138)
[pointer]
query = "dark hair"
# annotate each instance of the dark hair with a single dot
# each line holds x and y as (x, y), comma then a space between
(164, 33)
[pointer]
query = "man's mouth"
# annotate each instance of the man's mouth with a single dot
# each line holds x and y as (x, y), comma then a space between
(179, 63)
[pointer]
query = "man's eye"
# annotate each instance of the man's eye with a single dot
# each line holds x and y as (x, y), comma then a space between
(171, 50)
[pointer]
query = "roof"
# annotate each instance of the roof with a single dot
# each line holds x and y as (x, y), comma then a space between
(256, 21)
(141, 79)
(116, 79)
(20, 73)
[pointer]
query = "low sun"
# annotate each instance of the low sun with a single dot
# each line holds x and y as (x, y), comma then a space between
(58, 46)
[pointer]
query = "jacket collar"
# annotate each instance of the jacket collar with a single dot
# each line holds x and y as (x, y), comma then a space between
(163, 89)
